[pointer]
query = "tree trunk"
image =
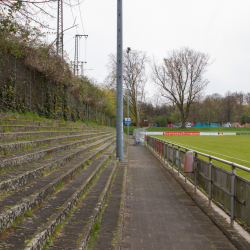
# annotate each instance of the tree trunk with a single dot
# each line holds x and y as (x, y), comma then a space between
(183, 120)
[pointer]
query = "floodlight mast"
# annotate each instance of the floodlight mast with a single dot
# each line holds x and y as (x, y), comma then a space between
(128, 50)
(119, 74)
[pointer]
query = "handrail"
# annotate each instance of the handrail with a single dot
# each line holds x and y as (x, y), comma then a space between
(209, 156)
(159, 146)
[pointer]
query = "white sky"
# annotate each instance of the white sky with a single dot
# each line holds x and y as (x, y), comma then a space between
(217, 27)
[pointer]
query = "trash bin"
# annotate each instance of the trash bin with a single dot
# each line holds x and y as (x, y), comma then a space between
(140, 136)
(189, 162)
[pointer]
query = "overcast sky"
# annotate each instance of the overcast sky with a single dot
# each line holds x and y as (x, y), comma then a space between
(220, 28)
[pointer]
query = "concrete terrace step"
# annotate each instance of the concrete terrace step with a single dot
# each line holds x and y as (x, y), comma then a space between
(43, 124)
(18, 159)
(42, 121)
(11, 147)
(106, 236)
(17, 178)
(19, 128)
(80, 223)
(72, 176)
(32, 135)
(76, 233)
(37, 229)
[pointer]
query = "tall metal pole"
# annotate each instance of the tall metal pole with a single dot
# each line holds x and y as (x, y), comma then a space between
(128, 50)
(76, 56)
(76, 53)
(119, 95)
(59, 41)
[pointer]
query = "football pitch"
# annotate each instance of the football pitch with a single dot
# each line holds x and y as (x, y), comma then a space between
(231, 148)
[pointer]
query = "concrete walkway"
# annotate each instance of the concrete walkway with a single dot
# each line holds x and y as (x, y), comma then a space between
(159, 214)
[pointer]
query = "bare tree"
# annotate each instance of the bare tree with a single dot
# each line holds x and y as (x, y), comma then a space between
(137, 79)
(181, 78)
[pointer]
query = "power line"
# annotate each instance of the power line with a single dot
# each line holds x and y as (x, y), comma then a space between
(81, 17)
(74, 19)
(39, 2)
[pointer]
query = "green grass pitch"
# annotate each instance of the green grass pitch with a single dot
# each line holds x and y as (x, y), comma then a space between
(231, 148)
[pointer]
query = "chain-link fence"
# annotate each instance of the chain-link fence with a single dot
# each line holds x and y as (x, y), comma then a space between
(24, 89)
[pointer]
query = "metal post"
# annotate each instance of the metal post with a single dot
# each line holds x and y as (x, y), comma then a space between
(59, 41)
(119, 96)
(168, 153)
(76, 53)
(195, 172)
(186, 173)
(179, 160)
(232, 194)
(173, 157)
(164, 152)
(160, 147)
(128, 50)
(210, 182)
(76, 56)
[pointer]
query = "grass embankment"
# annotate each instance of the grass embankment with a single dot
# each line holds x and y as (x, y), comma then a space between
(231, 148)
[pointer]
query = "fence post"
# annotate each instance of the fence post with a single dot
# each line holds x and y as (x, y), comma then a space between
(159, 148)
(168, 153)
(195, 172)
(173, 157)
(186, 173)
(210, 181)
(179, 160)
(232, 194)
(162, 149)
(164, 152)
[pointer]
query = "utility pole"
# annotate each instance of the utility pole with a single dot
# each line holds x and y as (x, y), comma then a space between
(128, 50)
(59, 41)
(119, 96)
(77, 37)
(82, 73)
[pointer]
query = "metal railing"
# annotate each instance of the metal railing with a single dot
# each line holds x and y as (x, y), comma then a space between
(227, 188)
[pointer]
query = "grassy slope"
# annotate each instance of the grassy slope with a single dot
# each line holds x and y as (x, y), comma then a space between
(232, 148)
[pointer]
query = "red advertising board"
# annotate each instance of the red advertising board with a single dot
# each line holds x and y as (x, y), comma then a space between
(181, 133)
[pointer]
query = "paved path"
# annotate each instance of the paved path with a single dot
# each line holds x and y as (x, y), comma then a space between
(159, 214)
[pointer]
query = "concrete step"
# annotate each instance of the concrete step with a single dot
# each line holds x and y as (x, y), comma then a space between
(53, 211)
(72, 176)
(21, 119)
(13, 136)
(50, 123)
(19, 128)
(10, 162)
(106, 236)
(28, 123)
(20, 177)
(78, 227)
(12, 147)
